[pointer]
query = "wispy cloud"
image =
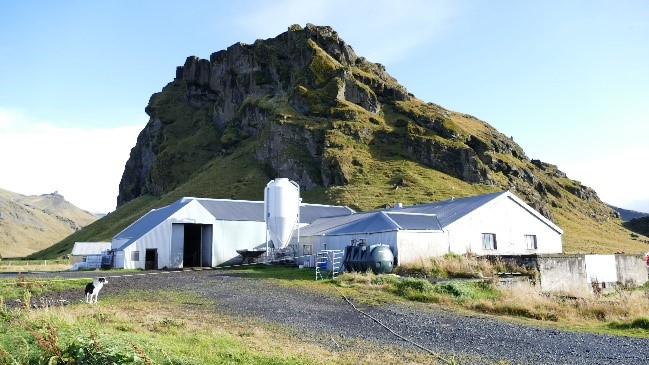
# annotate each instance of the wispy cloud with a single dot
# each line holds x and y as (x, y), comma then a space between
(10, 118)
(84, 165)
(382, 31)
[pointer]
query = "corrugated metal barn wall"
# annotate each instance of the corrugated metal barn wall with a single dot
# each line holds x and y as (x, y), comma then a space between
(230, 236)
(160, 238)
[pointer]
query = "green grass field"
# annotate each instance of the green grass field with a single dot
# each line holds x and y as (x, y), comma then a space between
(177, 328)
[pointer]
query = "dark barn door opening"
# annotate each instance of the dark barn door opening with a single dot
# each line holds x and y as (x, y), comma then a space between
(151, 259)
(192, 247)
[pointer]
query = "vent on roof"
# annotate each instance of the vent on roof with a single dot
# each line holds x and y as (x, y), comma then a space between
(398, 205)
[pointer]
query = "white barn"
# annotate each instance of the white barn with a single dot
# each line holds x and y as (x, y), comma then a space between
(195, 232)
(489, 224)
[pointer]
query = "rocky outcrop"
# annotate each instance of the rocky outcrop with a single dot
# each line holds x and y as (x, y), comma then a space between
(299, 101)
(136, 177)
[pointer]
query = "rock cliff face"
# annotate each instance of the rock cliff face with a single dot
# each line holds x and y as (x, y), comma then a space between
(310, 109)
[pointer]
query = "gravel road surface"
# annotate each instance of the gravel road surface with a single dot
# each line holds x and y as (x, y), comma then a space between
(473, 339)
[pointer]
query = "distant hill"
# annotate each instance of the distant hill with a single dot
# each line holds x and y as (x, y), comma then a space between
(639, 226)
(32, 223)
(628, 215)
(305, 106)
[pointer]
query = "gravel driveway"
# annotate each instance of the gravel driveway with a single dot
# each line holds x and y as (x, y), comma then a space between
(476, 339)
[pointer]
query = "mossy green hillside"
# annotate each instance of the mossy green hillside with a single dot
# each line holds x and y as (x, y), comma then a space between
(304, 105)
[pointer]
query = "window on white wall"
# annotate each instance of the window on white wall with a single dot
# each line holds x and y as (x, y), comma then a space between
(307, 249)
(135, 256)
(530, 240)
(489, 241)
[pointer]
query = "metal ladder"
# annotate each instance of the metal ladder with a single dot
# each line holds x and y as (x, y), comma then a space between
(328, 264)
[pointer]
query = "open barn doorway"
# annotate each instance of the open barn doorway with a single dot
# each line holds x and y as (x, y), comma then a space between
(191, 245)
(192, 252)
(151, 259)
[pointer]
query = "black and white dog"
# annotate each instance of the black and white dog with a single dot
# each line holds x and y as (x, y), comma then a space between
(92, 289)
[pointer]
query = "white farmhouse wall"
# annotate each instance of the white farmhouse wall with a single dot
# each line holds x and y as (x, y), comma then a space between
(510, 222)
(414, 246)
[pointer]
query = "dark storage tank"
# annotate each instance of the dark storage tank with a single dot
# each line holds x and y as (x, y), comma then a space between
(378, 258)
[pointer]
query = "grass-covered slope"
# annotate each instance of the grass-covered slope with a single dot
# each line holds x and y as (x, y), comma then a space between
(30, 223)
(639, 226)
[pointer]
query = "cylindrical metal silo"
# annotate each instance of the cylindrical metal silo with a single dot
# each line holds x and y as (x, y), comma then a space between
(282, 210)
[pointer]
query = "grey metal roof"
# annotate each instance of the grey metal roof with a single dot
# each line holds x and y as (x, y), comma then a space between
(149, 221)
(223, 209)
(375, 222)
(415, 221)
(431, 216)
(240, 210)
(311, 212)
(89, 248)
(323, 225)
(368, 222)
(234, 210)
(448, 211)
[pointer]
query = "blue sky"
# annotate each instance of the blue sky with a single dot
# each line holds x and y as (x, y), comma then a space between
(568, 80)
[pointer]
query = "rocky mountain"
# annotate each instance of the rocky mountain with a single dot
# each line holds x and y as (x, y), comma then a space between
(627, 215)
(304, 105)
(32, 223)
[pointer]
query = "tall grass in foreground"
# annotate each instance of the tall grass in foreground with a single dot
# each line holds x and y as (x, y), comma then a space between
(172, 328)
(460, 266)
(624, 311)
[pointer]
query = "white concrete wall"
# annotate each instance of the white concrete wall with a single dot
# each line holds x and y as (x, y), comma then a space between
(510, 222)
(631, 269)
(416, 245)
(565, 274)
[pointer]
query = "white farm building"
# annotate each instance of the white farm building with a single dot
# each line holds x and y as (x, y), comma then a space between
(200, 232)
(208, 232)
(490, 224)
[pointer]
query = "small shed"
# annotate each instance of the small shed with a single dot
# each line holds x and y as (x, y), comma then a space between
(92, 254)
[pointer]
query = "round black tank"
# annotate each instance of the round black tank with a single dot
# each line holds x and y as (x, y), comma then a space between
(360, 258)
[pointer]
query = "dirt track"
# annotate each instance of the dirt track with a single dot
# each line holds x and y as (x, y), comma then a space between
(477, 339)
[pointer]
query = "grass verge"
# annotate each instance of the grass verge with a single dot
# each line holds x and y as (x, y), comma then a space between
(169, 328)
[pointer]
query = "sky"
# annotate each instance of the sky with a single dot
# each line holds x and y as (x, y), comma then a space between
(567, 80)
